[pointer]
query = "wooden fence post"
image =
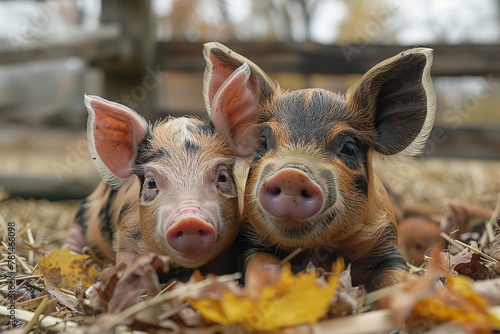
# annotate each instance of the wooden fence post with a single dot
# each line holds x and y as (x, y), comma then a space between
(133, 77)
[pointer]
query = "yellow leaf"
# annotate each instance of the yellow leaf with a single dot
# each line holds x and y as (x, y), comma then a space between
(61, 269)
(293, 300)
(244, 307)
(458, 302)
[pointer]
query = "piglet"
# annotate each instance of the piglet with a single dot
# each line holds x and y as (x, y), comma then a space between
(420, 227)
(167, 188)
(311, 184)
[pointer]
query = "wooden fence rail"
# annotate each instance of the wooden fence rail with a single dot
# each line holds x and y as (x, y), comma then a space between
(310, 58)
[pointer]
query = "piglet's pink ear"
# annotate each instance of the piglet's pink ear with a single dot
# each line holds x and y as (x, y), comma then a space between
(234, 109)
(113, 134)
(234, 91)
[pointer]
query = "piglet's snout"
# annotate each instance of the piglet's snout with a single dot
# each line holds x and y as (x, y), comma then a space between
(191, 236)
(290, 192)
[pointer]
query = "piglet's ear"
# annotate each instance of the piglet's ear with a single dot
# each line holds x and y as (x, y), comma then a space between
(113, 134)
(234, 90)
(397, 95)
(234, 109)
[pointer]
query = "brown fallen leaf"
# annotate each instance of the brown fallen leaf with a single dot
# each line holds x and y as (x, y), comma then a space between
(467, 263)
(449, 260)
(97, 297)
(121, 286)
(473, 269)
(106, 284)
(138, 278)
(464, 256)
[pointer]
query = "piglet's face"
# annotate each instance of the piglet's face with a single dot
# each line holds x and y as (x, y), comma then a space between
(311, 169)
(186, 192)
(188, 196)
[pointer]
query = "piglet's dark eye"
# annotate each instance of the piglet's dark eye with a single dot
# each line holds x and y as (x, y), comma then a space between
(222, 176)
(263, 142)
(151, 183)
(149, 190)
(349, 149)
(226, 184)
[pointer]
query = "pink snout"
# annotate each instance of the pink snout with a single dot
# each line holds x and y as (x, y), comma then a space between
(291, 193)
(191, 236)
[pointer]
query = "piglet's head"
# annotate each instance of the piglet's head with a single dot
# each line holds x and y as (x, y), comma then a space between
(179, 171)
(310, 176)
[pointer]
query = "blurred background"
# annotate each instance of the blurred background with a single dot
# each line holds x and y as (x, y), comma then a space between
(147, 55)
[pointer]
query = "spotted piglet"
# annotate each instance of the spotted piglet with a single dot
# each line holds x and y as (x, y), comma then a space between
(311, 184)
(168, 188)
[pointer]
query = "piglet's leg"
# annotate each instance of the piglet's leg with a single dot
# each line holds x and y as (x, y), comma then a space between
(393, 278)
(75, 240)
(126, 257)
(265, 260)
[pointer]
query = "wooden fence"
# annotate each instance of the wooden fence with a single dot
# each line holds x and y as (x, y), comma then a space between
(125, 45)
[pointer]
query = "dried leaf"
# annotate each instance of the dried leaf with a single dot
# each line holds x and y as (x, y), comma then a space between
(124, 285)
(454, 302)
(473, 269)
(279, 301)
(458, 302)
(349, 299)
(139, 278)
(106, 283)
(450, 261)
(466, 263)
(61, 269)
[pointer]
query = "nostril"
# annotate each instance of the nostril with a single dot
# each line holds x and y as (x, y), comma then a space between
(178, 234)
(202, 232)
(275, 191)
(306, 194)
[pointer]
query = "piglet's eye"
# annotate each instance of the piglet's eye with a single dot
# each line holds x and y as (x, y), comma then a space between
(263, 142)
(349, 149)
(151, 183)
(150, 189)
(226, 184)
(222, 177)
